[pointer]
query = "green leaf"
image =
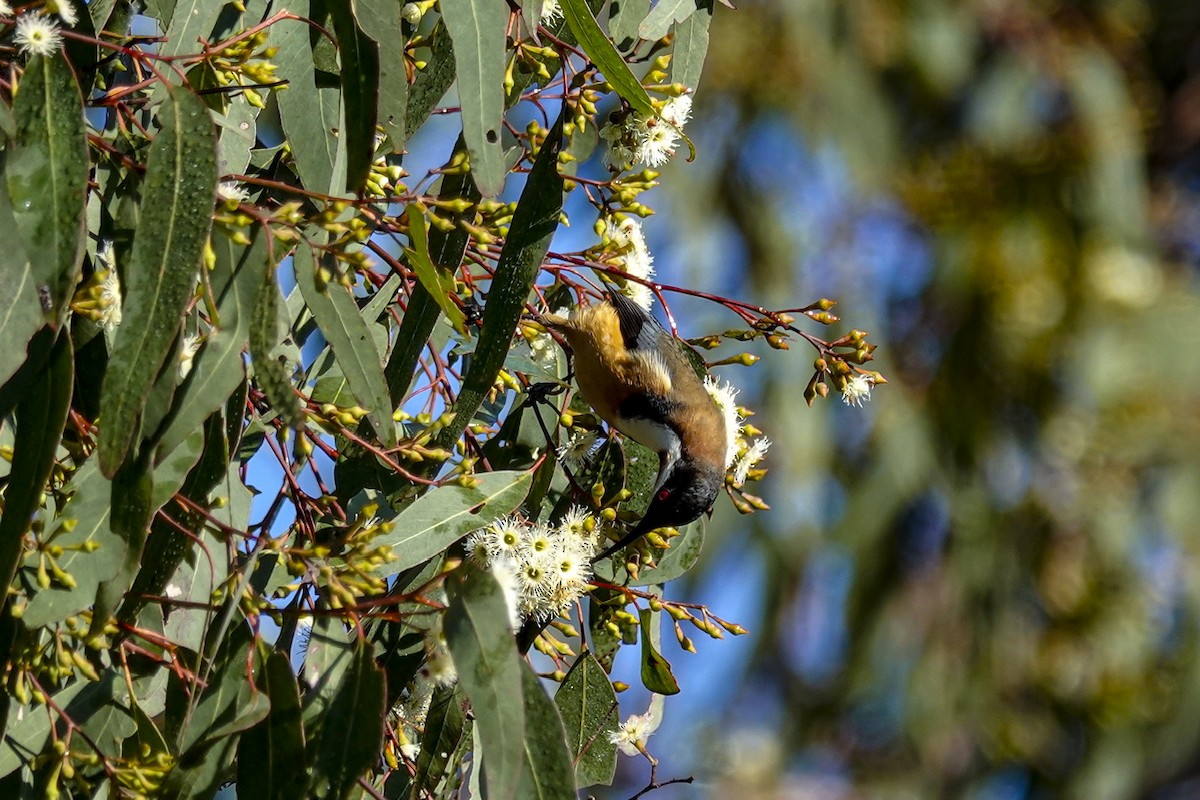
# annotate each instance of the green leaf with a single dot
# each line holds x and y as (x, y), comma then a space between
(623, 21)
(600, 50)
(664, 14)
(352, 732)
(431, 83)
(360, 88)
(656, 672)
(445, 726)
(326, 661)
(437, 280)
(20, 309)
(191, 23)
(311, 115)
(271, 754)
(269, 371)
(176, 214)
(489, 671)
(380, 19)
(588, 706)
(533, 225)
(446, 249)
(446, 514)
(28, 728)
(546, 772)
(46, 173)
(218, 368)
(238, 134)
(691, 45)
(477, 28)
(40, 417)
(229, 704)
(341, 323)
(92, 551)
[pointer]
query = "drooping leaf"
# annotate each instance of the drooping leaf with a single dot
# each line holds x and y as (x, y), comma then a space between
(437, 280)
(326, 661)
(665, 14)
(656, 671)
(446, 514)
(176, 214)
(624, 19)
(380, 19)
(218, 367)
(445, 726)
(433, 82)
(46, 173)
(446, 249)
(477, 28)
(533, 225)
(311, 114)
(360, 90)
(347, 332)
(271, 754)
(546, 770)
(691, 45)
(600, 50)
(40, 418)
(20, 309)
(588, 706)
(269, 371)
(352, 731)
(489, 671)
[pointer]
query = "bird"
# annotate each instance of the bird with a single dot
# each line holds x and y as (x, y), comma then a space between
(635, 375)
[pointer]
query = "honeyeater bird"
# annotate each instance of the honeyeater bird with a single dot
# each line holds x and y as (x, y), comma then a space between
(635, 375)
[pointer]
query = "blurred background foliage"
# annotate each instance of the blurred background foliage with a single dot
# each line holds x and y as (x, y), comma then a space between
(985, 584)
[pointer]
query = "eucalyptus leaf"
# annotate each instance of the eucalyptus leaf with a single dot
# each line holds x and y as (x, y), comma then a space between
(588, 706)
(656, 671)
(46, 172)
(40, 417)
(489, 671)
(353, 725)
(270, 754)
(664, 14)
(337, 314)
(546, 770)
(446, 514)
(177, 199)
(477, 28)
(360, 90)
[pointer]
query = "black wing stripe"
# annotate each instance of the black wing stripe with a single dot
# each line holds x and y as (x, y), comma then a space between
(638, 328)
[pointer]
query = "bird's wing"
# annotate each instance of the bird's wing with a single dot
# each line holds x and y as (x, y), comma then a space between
(639, 329)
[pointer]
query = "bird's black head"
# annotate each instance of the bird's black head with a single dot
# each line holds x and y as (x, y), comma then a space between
(687, 493)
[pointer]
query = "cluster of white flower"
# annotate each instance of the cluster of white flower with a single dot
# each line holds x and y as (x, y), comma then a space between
(578, 449)
(631, 735)
(37, 33)
(741, 453)
(542, 570)
(637, 139)
(550, 11)
(857, 390)
(627, 246)
(232, 191)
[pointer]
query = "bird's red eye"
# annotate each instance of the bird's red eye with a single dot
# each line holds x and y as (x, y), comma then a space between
(663, 494)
